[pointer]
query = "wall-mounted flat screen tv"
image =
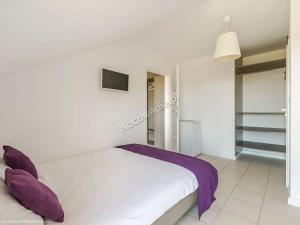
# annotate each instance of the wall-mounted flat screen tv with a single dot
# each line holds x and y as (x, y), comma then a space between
(112, 80)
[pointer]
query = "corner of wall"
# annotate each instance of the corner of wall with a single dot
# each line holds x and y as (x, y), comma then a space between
(294, 201)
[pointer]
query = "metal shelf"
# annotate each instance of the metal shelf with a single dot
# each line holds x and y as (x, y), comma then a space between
(260, 113)
(260, 67)
(261, 146)
(261, 129)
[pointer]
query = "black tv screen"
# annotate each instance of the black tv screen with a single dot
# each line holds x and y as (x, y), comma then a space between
(114, 80)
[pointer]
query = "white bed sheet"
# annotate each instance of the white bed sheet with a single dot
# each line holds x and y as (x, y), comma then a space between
(117, 187)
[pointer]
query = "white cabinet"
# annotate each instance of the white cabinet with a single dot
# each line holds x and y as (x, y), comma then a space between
(190, 137)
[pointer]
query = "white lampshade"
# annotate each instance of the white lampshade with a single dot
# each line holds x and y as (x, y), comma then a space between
(227, 48)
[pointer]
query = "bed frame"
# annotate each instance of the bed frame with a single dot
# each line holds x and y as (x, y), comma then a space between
(177, 211)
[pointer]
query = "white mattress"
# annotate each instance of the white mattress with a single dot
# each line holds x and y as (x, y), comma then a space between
(117, 187)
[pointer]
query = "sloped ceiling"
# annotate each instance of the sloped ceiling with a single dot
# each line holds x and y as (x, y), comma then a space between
(34, 32)
(38, 31)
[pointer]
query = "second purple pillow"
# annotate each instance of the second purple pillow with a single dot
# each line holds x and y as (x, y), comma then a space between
(33, 194)
(18, 160)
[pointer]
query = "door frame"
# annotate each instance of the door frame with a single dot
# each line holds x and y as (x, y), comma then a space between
(288, 112)
(168, 136)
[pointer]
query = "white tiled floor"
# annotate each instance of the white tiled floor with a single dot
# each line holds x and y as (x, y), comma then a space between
(251, 191)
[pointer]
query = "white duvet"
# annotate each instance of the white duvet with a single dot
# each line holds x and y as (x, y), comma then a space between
(117, 187)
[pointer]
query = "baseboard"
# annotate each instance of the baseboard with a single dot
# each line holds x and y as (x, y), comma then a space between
(219, 155)
(294, 201)
(267, 154)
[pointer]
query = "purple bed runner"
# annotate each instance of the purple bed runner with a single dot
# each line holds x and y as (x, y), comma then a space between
(206, 174)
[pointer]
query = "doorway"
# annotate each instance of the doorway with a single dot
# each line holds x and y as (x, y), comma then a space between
(156, 118)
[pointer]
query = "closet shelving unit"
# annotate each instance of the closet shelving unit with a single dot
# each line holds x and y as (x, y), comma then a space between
(240, 143)
(260, 67)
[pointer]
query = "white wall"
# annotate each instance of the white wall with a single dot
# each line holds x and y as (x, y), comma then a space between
(58, 109)
(264, 92)
(295, 104)
(207, 94)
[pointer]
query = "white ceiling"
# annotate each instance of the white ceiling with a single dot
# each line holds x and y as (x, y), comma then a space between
(34, 32)
(262, 25)
(37, 31)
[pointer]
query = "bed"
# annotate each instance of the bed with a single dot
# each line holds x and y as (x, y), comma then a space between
(119, 187)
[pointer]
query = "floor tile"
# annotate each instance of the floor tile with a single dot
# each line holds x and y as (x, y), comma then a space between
(226, 218)
(223, 179)
(248, 196)
(225, 188)
(282, 208)
(277, 183)
(188, 220)
(220, 199)
(255, 180)
(257, 174)
(250, 186)
(218, 166)
(279, 193)
(209, 216)
(242, 209)
(235, 171)
(271, 218)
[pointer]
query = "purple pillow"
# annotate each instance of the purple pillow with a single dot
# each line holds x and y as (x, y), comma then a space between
(33, 194)
(18, 160)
